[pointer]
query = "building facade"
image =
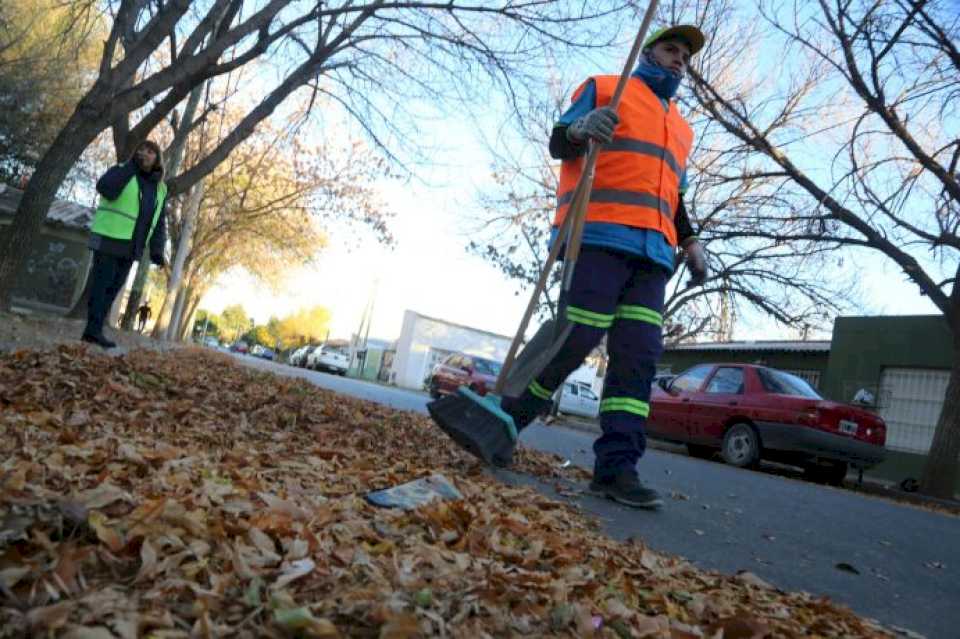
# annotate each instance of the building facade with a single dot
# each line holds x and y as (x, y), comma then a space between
(56, 271)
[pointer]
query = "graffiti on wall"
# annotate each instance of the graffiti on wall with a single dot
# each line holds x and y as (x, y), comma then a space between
(53, 273)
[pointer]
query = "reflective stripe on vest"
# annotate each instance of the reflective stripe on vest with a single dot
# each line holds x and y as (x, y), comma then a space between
(638, 173)
(117, 218)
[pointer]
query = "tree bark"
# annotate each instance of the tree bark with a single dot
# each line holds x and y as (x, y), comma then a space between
(190, 211)
(189, 316)
(39, 195)
(939, 477)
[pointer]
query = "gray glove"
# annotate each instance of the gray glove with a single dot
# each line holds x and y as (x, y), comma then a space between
(597, 125)
(696, 259)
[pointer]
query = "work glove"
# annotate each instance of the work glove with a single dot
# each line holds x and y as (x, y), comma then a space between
(597, 125)
(696, 260)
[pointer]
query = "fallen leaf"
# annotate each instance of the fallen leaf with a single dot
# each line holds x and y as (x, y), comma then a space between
(88, 632)
(739, 628)
(102, 496)
(750, 578)
(49, 618)
(302, 621)
(403, 626)
(110, 537)
(293, 571)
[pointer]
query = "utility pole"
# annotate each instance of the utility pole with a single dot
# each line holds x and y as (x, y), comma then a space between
(363, 331)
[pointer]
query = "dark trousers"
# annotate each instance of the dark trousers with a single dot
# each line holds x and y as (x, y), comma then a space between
(620, 296)
(106, 279)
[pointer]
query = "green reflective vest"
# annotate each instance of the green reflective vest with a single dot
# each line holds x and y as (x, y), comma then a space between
(117, 218)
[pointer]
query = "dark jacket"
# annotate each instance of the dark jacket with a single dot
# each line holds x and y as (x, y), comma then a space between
(110, 185)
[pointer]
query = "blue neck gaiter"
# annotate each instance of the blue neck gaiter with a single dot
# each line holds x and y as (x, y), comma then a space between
(661, 81)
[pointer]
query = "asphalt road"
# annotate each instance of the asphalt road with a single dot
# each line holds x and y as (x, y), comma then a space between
(901, 564)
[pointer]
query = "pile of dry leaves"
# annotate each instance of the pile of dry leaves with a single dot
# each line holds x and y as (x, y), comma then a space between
(174, 495)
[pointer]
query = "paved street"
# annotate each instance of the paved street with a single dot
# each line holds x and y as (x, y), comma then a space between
(789, 532)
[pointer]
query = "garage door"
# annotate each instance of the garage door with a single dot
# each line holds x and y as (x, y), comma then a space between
(910, 402)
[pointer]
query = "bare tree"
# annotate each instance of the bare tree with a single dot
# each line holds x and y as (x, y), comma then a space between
(860, 136)
(773, 278)
(370, 56)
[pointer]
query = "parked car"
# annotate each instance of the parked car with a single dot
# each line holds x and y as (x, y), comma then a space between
(476, 373)
(578, 399)
(239, 347)
(329, 359)
(749, 413)
(262, 352)
(296, 356)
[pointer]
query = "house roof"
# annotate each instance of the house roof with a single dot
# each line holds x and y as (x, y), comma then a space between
(62, 212)
(811, 346)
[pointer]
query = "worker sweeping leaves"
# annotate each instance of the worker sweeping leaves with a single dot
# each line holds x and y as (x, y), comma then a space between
(635, 225)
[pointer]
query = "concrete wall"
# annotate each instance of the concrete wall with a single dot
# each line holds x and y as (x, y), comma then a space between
(419, 335)
(55, 273)
(864, 346)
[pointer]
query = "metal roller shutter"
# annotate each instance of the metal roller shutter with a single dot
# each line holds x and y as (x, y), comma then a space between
(910, 402)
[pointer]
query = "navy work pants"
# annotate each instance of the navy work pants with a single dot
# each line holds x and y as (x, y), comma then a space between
(107, 277)
(619, 295)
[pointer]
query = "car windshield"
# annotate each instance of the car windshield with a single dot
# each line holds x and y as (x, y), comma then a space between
(775, 381)
(486, 366)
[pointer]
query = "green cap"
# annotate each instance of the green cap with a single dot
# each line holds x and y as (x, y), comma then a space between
(691, 34)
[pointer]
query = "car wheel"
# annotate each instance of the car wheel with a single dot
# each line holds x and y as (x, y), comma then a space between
(741, 446)
(700, 452)
(831, 474)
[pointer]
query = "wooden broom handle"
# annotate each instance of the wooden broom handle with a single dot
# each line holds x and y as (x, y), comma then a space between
(576, 214)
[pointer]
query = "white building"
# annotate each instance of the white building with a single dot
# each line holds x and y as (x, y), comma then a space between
(424, 341)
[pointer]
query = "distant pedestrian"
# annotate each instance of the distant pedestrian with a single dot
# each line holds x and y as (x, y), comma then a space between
(143, 314)
(129, 218)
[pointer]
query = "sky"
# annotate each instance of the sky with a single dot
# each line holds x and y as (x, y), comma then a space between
(429, 270)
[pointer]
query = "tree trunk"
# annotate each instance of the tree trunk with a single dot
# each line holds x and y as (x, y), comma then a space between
(158, 330)
(39, 195)
(179, 309)
(940, 471)
(189, 316)
(190, 208)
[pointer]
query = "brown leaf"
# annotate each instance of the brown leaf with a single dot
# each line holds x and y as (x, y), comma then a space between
(50, 618)
(110, 537)
(148, 562)
(403, 626)
(102, 496)
(740, 628)
(88, 632)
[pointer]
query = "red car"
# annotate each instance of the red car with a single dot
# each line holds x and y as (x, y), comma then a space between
(750, 413)
(476, 373)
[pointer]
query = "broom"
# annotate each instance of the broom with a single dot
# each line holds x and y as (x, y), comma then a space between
(477, 423)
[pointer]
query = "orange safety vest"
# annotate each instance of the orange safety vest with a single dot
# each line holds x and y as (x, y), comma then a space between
(638, 174)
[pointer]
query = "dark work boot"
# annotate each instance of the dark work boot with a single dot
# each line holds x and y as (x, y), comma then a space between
(98, 339)
(625, 488)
